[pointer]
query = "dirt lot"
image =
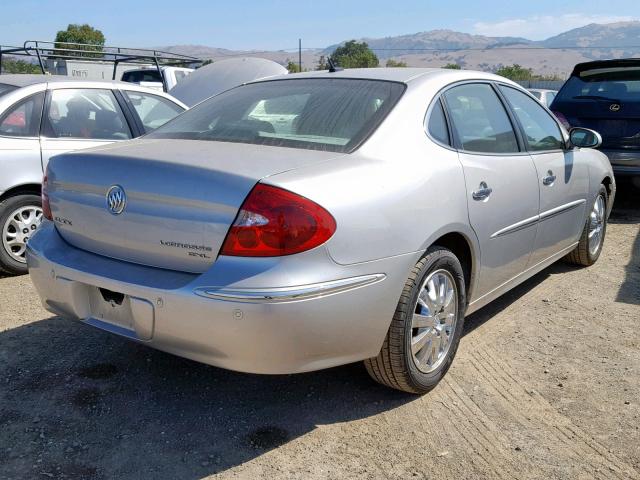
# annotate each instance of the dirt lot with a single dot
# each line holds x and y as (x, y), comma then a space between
(546, 385)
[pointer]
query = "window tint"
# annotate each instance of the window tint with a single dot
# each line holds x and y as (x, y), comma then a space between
(137, 76)
(154, 111)
(332, 114)
(85, 113)
(536, 94)
(480, 120)
(541, 131)
(23, 118)
(608, 83)
(438, 124)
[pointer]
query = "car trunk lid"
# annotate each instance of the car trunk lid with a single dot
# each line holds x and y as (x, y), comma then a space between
(181, 197)
(618, 121)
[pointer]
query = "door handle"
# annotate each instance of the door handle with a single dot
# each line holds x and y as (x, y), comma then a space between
(482, 193)
(549, 179)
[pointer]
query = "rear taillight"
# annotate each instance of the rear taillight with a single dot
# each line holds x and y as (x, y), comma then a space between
(274, 222)
(46, 208)
(563, 120)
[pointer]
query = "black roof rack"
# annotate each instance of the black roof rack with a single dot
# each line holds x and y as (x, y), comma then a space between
(44, 50)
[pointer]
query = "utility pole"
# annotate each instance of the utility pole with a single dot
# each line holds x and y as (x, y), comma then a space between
(300, 53)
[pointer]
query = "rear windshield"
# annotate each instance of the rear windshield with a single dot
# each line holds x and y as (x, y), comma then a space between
(315, 114)
(606, 83)
(137, 76)
(4, 88)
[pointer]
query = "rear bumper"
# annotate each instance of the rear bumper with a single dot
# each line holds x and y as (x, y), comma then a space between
(624, 162)
(271, 316)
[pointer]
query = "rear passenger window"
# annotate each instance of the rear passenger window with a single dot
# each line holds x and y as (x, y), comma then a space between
(23, 119)
(437, 125)
(479, 119)
(540, 130)
(85, 114)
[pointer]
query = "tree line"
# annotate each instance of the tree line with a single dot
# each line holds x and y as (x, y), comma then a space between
(355, 54)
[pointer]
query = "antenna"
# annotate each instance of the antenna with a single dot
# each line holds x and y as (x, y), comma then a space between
(333, 68)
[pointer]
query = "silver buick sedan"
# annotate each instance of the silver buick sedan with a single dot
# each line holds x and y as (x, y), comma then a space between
(309, 221)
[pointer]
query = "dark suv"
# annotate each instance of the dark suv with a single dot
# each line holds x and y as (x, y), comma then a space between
(605, 96)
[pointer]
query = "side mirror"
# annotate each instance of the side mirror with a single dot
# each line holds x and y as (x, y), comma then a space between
(584, 138)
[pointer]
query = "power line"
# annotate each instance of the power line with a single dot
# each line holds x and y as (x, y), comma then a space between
(500, 47)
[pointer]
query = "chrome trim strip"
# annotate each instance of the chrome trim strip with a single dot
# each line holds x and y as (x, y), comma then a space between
(527, 222)
(543, 216)
(288, 294)
(562, 208)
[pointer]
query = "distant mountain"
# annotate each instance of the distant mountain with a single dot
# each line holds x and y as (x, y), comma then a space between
(309, 57)
(438, 47)
(433, 40)
(620, 34)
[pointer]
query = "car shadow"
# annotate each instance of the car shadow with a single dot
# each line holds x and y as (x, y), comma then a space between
(76, 402)
(626, 210)
(486, 313)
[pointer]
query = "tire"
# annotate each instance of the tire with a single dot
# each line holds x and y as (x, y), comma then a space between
(9, 208)
(396, 366)
(583, 254)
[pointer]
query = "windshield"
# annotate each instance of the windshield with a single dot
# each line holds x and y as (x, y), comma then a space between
(333, 114)
(608, 84)
(4, 88)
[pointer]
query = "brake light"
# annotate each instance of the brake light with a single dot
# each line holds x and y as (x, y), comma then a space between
(46, 208)
(563, 120)
(273, 222)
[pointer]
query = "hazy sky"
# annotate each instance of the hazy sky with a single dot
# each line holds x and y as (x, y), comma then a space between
(277, 24)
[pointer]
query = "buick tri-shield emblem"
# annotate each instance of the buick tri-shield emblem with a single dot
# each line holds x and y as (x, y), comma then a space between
(116, 200)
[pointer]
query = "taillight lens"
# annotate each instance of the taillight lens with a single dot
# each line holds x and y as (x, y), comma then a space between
(274, 222)
(563, 120)
(46, 208)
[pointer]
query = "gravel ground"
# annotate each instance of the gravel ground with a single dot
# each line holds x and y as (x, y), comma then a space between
(546, 384)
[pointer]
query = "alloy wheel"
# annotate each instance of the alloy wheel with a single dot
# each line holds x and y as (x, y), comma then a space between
(434, 320)
(21, 224)
(596, 225)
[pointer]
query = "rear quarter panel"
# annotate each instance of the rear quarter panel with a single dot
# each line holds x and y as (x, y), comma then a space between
(396, 194)
(599, 169)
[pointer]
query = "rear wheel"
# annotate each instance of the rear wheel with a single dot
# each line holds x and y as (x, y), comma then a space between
(426, 327)
(20, 216)
(591, 241)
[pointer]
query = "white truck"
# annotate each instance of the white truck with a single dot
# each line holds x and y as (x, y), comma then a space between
(149, 77)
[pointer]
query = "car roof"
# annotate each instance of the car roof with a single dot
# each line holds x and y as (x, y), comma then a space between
(26, 80)
(401, 74)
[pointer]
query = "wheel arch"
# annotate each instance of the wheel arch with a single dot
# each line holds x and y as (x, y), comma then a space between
(610, 186)
(465, 250)
(25, 189)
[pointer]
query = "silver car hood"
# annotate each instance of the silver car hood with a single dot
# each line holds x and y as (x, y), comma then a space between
(181, 196)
